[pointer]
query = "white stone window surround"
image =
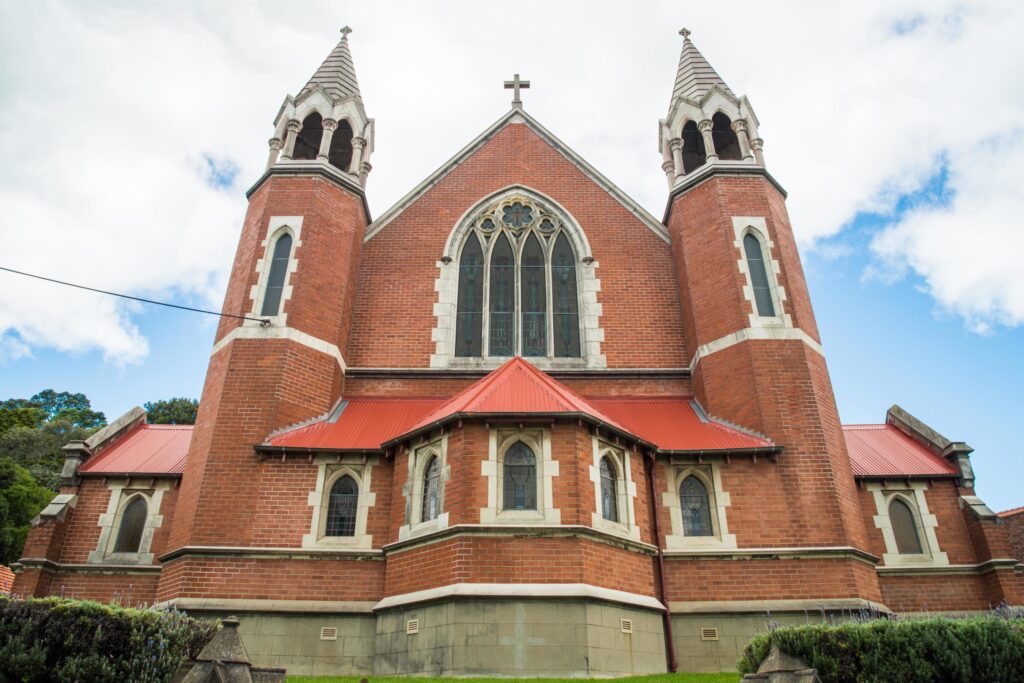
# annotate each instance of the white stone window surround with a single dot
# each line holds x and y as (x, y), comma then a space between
(626, 490)
(710, 475)
(276, 227)
(122, 493)
(329, 470)
(913, 494)
(447, 287)
(499, 442)
(758, 227)
(412, 490)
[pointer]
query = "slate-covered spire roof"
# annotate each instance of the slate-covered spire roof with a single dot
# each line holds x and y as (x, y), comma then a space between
(695, 75)
(337, 75)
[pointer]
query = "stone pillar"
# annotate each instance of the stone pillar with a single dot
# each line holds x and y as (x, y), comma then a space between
(294, 126)
(676, 145)
(275, 150)
(756, 145)
(357, 155)
(670, 171)
(325, 141)
(75, 453)
(364, 170)
(709, 141)
(740, 128)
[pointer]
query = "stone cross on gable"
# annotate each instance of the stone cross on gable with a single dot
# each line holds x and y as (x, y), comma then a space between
(515, 84)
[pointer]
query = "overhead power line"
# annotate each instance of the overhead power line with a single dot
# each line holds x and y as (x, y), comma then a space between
(261, 321)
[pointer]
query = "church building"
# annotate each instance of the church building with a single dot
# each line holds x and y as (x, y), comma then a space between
(517, 425)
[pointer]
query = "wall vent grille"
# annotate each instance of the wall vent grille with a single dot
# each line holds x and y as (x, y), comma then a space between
(412, 627)
(709, 633)
(329, 633)
(626, 625)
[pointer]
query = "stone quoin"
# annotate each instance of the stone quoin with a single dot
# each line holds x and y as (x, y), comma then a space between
(516, 425)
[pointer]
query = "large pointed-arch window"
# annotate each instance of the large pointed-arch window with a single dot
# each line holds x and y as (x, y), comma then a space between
(133, 522)
(278, 273)
(758, 276)
(342, 507)
(518, 285)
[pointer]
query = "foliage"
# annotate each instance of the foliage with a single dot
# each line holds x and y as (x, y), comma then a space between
(12, 416)
(172, 411)
(54, 639)
(21, 499)
(988, 648)
(74, 409)
(38, 449)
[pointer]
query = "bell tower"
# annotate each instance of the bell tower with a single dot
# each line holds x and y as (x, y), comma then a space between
(294, 276)
(756, 356)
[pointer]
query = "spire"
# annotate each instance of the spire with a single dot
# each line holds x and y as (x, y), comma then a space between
(695, 75)
(337, 75)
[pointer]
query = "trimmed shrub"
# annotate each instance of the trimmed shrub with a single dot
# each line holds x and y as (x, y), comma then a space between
(54, 639)
(974, 649)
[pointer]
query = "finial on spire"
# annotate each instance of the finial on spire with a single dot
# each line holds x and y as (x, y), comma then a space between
(345, 30)
(685, 33)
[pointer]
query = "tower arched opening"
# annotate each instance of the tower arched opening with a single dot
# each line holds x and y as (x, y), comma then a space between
(727, 145)
(340, 154)
(307, 144)
(694, 153)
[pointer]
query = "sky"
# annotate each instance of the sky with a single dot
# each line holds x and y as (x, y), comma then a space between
(132, 130)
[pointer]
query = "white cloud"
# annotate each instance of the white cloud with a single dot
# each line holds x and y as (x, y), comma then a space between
(111, 115)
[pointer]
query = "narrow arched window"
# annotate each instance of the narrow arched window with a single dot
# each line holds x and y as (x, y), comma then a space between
(278, 273)
(566, 322)
(694, 153)
(693, 500)
(431, 490)
(758, 276)
(470, 306)
(904, 528)
(609, 490)
(503, 299)
(727, 145)
(534, 299)
(340, 153)
(342, 507)
(307, 144)
(520, 478)
(133, 522)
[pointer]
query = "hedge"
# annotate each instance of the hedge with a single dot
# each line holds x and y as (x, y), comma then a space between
(989, 648)
(55, 639)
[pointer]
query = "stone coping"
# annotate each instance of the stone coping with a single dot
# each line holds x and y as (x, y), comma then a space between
(44, 563)
(521, 591)
(539, 530)
(281, 606)
(762, 606)
(273, 553)
(717, 168)
(1007, 563)
(796, 553)
(312, 167)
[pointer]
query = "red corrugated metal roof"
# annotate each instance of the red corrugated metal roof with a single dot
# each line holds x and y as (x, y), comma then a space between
(6, 579)
(675, 425)
(885, 451)
(146, 449)
(1011, 512)
(363, 424)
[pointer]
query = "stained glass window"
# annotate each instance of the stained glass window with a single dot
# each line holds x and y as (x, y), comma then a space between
(133, 521)
(565, 318)
(342, 507)
(503, 296)
(533, 299)
(609, 491)
(431, 490)
(693, 499)
(904, 528)
(758, 276)
(520, 478)
(469, 323)
(278, 272)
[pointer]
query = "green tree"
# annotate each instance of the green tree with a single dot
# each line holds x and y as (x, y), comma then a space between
(38, 449)
(172, 411)
(21, 499)
(19, 416)
(63, 406)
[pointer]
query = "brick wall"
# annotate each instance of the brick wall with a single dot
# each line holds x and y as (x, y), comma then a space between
(1015, 531)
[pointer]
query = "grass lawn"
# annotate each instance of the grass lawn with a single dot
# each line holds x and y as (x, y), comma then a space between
(659, 678)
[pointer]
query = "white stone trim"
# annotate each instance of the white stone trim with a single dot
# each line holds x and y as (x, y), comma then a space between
(758, 227)
(554, 591)
(247, 605)
(759, 333)
(911, 493)
(123, 492)
(587, 284)
(539, 441)
(289, 333)
(277, 226)
(412, 490)
(718, 499)
(329, 470)
(626, 503)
